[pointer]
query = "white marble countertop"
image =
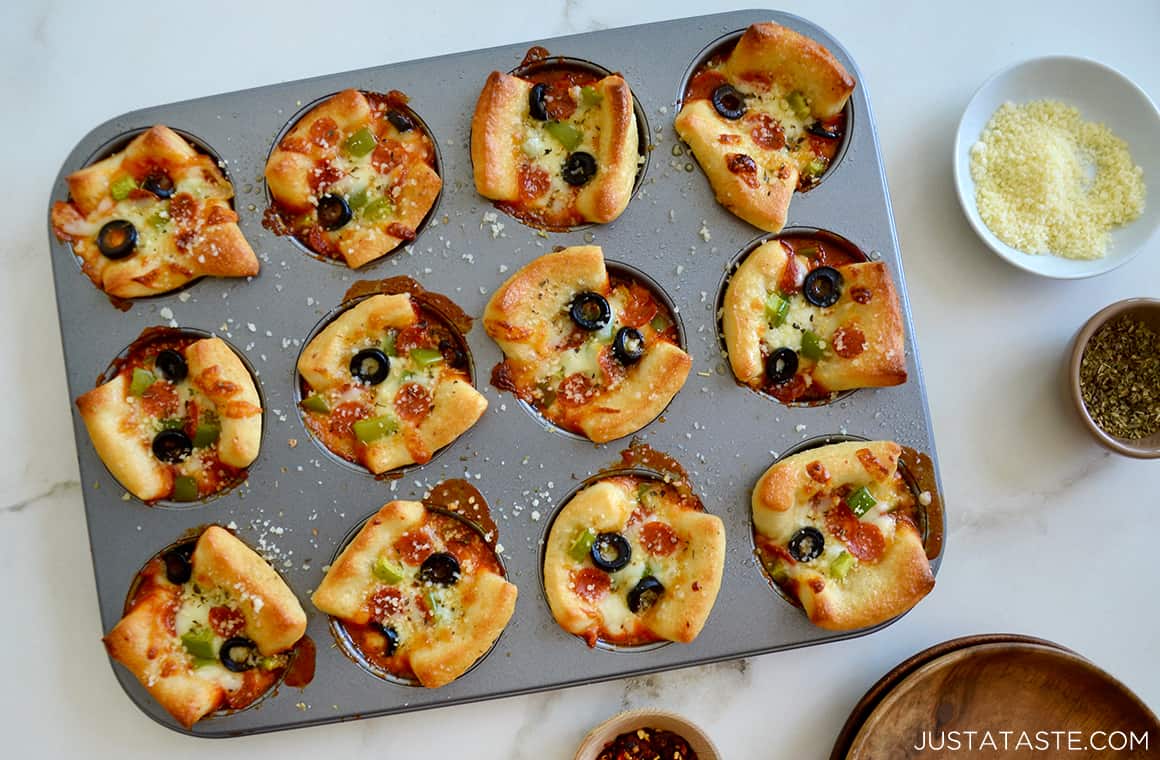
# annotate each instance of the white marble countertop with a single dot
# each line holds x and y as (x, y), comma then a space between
(1049, 534)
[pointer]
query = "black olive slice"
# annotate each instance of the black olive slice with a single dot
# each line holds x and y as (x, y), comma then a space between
(117, 239)
(400, 120)
(159, 184)
(370, 366)
(628, 345)
(171, 365)
(333, 211)
(806, 544)
(610, 552)
(536, 104)
(237, 654)
(817, 129)
(590, 311)
(823, 286)
(390, 634)
(645, 594)
(781, 366)
(172, 446)
(579, 168)
(178, 564)
(440, 568)
(729, 102)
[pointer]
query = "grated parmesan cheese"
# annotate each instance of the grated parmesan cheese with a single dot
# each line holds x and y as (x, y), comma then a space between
(1046, 181)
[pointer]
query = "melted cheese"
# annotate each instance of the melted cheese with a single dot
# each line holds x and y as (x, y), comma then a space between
(194, 614)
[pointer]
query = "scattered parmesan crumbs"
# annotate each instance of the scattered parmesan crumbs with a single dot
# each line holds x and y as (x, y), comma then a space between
(704, 231)
(292, 443)
(924, 498)
(799, 428)
(1046, 181)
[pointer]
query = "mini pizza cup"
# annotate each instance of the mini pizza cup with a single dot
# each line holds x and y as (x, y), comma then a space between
(209, 627)
(416, 608)
(646, 719)
(354, 176)
(834, 597)
(805, 317)
(152, 212)
(176, 418)
(385, 382)
(592, 348)
(634, 550)
(766, 113)
(559, 143)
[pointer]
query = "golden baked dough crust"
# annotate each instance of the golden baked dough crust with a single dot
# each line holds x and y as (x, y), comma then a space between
(191, 234)
(886, 569)
(348, 146)
(528, 316)
(754, 162)
(686, 553)
(453, 404)
(122, 426)
(512, 152)
(875, 314)
(227, 573)
(472, 612)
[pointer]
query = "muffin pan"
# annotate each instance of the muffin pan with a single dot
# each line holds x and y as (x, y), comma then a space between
(298, 504)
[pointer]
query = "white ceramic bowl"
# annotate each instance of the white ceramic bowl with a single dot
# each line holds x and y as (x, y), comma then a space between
(624, 722)
(1101, 94)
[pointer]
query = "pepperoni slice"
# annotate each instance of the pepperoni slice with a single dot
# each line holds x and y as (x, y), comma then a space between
(411, 337)
(317, 240)
(817, 472)
(792, 275)
(413, 403)
(414, 546)
(876, 469)
(613, 370)
(182, 208)
(659, 539)
(387, 155)
(226, 622)
(343, 417)
(559, 100)
(848, 341)
(160, 400)
(864, 540)
(743, 166)
(591, 584)
(385, 603)
(324, 176)
(324, 132)
(766, 132)
(639, 308)
(534, 182)
(790, 391)
(861, 295)
(576, 390)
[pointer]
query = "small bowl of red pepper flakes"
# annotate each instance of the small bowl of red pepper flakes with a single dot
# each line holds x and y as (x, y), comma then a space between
(647, 735)
(1114, 375)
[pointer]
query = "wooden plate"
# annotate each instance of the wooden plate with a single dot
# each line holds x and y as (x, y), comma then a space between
(1035, 693)
(883, 686)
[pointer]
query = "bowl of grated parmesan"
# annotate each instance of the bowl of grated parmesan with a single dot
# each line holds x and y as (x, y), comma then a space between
(1053, 160)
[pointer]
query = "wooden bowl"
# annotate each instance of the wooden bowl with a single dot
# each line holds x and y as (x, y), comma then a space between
(1020, 688)
(624, 722)
(871, 698)
(1147, 310)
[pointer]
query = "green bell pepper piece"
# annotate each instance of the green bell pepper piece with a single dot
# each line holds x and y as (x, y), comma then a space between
(199, 643)
(817, 167)
(121, 187)
(567, 135)
(842, 565)
(582, 544)
(374, 428)
(776, 309)
(207, 434)
(797, 102)
(425, 357)
(184, 488)
(388, 343)
(660, 323)
(142, 379)
(861, 501)
(590, 96)
(378, 209)
(812, 346)
(387, 571)
(316, 402)
(357, 199)
(360, 143)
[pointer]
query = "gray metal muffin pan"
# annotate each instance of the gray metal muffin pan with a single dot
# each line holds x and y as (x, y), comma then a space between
(299, 503)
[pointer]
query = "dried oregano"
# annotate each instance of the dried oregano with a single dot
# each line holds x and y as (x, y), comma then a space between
(1119, 378)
